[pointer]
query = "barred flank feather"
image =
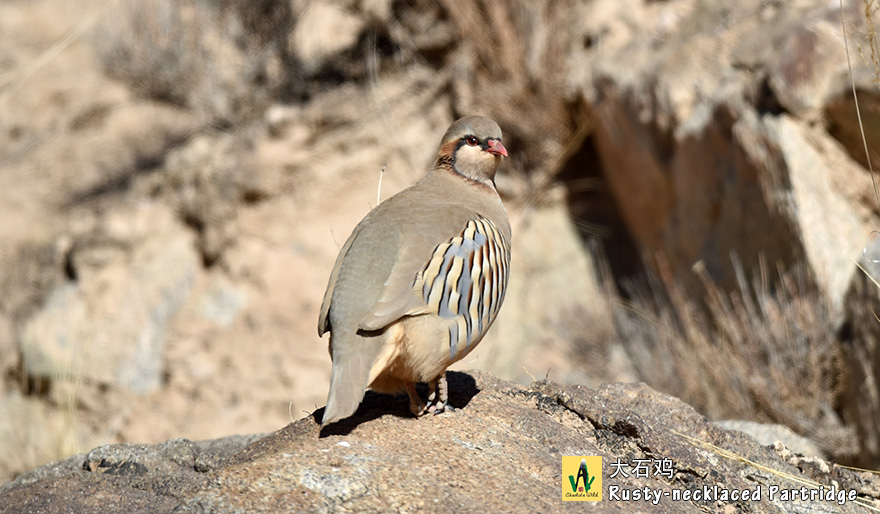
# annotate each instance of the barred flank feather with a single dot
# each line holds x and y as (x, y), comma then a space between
(464, 282)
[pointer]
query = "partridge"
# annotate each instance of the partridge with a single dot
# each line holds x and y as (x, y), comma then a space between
(421, 278)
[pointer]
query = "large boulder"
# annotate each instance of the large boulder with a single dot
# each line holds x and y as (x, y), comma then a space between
(708, 143)
(500, 451)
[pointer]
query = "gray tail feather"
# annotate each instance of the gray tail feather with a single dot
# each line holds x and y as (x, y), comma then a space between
(353, 358)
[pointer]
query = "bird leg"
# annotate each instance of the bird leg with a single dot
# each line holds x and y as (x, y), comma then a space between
(416, 405)
(438, 398)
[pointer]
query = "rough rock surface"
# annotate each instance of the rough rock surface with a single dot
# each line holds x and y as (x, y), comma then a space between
(768, 434)
(499, 452)
(713, 143)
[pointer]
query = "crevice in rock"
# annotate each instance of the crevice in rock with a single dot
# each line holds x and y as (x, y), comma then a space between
(766, 101)
(198, 225)
(594, 211)
(69, 267)
(38, 386)
(844, 124)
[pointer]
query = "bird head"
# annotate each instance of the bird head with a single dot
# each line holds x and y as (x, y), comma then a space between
(472, 148)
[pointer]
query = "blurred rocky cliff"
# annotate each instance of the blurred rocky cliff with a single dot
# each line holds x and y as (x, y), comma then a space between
(688, 189)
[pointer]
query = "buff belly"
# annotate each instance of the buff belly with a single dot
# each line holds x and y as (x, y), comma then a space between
(418, 349)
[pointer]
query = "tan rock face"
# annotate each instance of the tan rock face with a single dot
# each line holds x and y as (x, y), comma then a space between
(111, 324)
(701, 173)
(323, 30)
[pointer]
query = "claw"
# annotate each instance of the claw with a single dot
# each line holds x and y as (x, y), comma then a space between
(440, 408)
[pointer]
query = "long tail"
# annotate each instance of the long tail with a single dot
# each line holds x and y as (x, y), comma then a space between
(353, 358)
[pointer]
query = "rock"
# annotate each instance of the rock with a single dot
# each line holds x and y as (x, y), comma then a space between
(697, 161)
(323, 30)
(717, 128)
(828, 230)
(860, 395)
(503, 436)
(131, 274)
(107, 478)
(810, 64)
(768, 433)
(737, 138)
(222, 301)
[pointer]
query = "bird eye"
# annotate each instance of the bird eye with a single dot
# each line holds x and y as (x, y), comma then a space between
(471, 140)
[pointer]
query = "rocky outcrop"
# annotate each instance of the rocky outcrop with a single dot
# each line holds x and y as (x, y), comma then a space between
(499, 452)
(730, 145)
(711, 148)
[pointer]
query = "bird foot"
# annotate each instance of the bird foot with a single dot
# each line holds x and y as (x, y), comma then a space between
(438, 398)
(438, 408)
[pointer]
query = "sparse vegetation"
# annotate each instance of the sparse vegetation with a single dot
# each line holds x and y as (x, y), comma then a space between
(222, 60)
(764, 353)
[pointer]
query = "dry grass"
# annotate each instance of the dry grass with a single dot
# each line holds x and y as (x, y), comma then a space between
(757, 353)
(218, 59)
(861, 390)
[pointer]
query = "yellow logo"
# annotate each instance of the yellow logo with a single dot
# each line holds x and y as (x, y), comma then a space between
(582, 479)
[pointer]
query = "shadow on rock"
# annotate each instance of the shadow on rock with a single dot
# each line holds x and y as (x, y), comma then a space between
(462, 388)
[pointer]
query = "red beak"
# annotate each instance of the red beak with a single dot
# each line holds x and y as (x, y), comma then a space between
(496, 148)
